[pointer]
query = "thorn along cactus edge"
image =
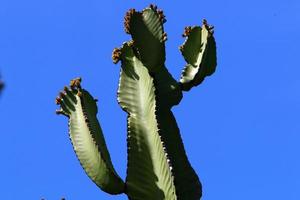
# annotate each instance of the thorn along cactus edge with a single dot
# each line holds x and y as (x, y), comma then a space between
(157, 167)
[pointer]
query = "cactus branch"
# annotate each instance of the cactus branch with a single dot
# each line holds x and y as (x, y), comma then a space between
(87, 137)
(199, 51)
(146, 29)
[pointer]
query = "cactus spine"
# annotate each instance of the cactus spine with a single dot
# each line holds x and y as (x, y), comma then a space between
(158, 167)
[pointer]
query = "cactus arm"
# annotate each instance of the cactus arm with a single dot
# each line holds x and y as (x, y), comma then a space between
(147, 31)
(199, 51)
(148, 172)
(148, 35)
(87, 138)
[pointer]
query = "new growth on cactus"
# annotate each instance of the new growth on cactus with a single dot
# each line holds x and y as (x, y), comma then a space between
(157, 168)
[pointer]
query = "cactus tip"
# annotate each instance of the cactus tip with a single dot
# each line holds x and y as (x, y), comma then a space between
(116, 55)
(75, 83)
(187, 31)
(160, 13)
(127, 19)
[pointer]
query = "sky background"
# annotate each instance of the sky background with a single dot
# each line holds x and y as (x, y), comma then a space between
(240, 127)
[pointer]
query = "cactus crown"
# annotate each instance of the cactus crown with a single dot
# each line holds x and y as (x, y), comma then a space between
(157, 167)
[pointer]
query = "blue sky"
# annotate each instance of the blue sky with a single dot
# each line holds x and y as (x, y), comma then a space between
(240, 127)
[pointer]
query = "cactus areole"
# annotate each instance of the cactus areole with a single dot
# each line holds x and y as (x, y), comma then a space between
(157, 168)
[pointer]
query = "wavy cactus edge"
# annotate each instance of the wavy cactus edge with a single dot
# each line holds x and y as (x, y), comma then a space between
(158, 167)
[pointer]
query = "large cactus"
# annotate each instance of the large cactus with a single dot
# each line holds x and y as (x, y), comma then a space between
(158, 167)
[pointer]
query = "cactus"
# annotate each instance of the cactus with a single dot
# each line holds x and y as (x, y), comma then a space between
(157, 167)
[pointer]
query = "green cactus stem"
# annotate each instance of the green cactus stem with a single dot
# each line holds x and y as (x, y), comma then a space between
(158, 167)
(148, 35)
(199, 51)
(147, 32)
(87, 137)
(148, 170)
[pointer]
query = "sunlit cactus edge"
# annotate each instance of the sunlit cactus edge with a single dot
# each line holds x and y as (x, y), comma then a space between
(157, 167)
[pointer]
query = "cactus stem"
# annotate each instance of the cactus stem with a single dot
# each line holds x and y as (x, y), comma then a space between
(158, 167)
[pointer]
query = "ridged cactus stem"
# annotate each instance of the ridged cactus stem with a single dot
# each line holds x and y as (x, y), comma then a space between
(87, 137)
(158, 167)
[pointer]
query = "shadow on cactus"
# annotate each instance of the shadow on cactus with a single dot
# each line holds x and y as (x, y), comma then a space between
(157, 167)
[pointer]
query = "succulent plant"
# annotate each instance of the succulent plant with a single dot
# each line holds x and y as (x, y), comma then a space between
(158, 167)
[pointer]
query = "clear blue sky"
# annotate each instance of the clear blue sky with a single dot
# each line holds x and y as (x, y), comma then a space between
(240, 127)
